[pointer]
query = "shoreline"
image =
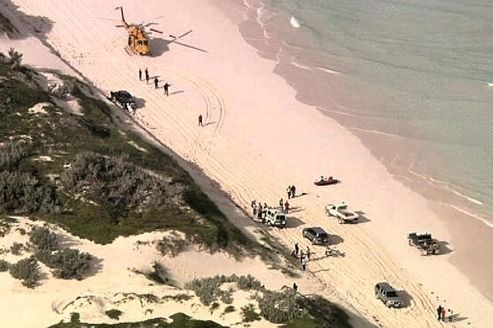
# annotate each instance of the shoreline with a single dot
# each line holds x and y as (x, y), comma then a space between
(223, 143)
(443, 201)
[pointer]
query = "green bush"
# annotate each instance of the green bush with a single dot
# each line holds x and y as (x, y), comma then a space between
(172, 245)
(114, 314)
(43, 239)
(229, 309)
(280, 307)
(248, 313)
(26, 270)
(24, 194)
(4, 265)
(116, 183)
(16, 248)
(67, 263)
(208, 289)
(11, 154)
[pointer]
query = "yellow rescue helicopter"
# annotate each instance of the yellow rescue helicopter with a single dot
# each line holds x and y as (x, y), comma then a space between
(138, 38)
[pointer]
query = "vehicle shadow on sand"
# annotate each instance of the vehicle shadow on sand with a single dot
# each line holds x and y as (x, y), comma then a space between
(362, 217)
(293, 222)
(335, 239)
(444, 249)
(405, 297)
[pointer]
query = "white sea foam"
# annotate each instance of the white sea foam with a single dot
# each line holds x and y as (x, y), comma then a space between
(294, 22)
(329, 71)
(300, 66)
(490, 84)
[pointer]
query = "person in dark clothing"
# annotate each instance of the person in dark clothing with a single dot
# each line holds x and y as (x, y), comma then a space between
(308, 253)
(439, 312)
(293, 191)
(147, 75)
(281, 205)
(286, 207)
(156, 82)
(295, 287)
(166, 88)
(289, 192)
(140, 74)
(200, 120)
(296, 249)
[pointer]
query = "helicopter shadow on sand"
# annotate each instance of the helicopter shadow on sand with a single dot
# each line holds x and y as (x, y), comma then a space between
(161, 45)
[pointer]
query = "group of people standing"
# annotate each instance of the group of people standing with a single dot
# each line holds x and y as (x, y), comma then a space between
(156, 81)
(291, 191)
(304, 257)
(441, 313)
(165, 88)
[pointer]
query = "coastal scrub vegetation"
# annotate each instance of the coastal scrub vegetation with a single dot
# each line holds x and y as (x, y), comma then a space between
(100, 179)
(26, 270)
(286, 307)
(66, 263)
(180, 320)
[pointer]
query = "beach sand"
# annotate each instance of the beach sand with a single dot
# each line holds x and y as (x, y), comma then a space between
(258, 139)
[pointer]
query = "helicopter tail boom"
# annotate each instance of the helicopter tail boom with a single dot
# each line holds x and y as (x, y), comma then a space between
(123, 17)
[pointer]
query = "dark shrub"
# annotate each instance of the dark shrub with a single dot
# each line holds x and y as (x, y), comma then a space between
(26, 270)
(114, 314)
(23, 193)
(16, 248)
(67, 263)
(43, 239)
(4, 266)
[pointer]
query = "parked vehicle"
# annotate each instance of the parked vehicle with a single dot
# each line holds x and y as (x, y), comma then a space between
(388, 295)
(341, 212)
(275, 218)
(424, 242)
(316, 235)
(123, 99)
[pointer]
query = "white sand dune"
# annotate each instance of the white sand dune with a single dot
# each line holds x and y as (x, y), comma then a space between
(258, 139)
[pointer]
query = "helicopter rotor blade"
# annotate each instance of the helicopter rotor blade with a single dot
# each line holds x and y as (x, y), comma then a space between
(186, 33)
(154, 30)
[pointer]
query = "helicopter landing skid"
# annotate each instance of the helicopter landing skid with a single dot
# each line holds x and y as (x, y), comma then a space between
(129, 51)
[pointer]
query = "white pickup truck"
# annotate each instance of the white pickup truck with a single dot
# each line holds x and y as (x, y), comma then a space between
(341, 212)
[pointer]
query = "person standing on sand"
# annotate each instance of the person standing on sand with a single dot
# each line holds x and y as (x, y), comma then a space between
(443, 314)
(295, 287)
(293, 191)
(147, 75)
(281, 205)
(140, 74)
(296, 249)
(439, 312)
(286, 207)
(156, 82)
(289, 191)
(200, 120)
(303, 263)
(308, 253)
(254, 207)
(166, 88)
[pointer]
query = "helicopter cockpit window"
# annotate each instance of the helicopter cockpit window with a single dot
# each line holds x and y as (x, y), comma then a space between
(145, 42)
(139, 42)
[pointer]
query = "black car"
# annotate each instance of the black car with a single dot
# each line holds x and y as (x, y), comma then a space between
(123, 98)
(316, 235)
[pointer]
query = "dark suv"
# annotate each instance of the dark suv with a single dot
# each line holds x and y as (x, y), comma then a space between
(316, 235)
(124, 99)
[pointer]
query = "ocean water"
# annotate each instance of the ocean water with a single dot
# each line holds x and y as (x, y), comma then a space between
(414, 82)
